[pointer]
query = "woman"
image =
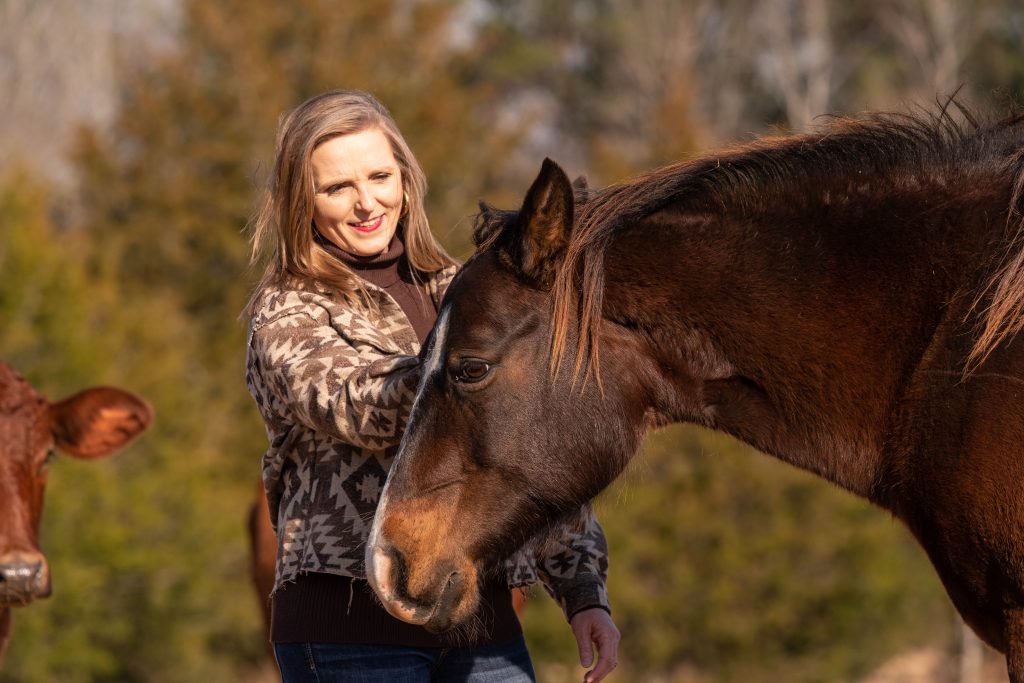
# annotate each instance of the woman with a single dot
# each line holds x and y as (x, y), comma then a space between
(351, 289)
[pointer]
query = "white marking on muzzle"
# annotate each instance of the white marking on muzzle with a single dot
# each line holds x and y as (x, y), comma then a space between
(379, 572)
(378, 564)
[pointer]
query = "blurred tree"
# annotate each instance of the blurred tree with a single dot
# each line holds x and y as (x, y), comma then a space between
(57, 70)
(797, 57)
(934, 36)
(583, 73)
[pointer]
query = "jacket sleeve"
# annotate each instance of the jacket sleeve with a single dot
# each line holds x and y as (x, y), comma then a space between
(572, 565)
(320, 380)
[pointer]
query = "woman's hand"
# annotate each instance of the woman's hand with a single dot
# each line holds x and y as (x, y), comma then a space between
(593, 627)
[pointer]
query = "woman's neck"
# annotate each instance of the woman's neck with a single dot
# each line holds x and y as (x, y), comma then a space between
(386, 259)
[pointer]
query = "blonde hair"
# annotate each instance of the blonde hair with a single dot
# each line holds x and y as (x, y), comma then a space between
(282, 225)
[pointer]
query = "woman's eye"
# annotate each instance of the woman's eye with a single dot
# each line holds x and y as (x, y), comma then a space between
(472, 370)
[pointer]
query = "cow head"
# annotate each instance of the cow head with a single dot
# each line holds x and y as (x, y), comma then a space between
(91, 424)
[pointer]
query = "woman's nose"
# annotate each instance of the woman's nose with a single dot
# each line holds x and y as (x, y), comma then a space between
(365, 200)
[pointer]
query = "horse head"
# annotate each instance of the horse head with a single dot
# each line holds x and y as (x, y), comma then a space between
(495, 451)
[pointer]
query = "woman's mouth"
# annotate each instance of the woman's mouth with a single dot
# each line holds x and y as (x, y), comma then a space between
(368, 226)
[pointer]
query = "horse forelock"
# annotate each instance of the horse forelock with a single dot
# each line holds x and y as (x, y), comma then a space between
(748, 178)
(489, 224)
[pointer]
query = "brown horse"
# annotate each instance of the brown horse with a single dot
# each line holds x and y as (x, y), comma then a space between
(845, 301)
(91, 424)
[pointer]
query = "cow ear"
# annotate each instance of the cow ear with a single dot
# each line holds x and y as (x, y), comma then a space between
(544, 226)
(97, 422)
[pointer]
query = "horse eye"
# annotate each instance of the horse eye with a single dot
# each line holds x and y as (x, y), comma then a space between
(472, 370)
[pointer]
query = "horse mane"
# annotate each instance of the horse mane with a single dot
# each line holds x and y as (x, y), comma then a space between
(738, 178)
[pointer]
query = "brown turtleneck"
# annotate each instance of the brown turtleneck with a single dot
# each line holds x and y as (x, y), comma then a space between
(391, 272)
(325, 608)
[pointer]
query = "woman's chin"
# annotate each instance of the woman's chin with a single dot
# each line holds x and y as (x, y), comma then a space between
(369, 244)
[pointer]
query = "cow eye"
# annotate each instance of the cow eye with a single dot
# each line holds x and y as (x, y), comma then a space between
(50, 455)
(471, 370)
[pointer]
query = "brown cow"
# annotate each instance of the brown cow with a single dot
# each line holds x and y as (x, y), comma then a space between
(263, 546)
(91, 424)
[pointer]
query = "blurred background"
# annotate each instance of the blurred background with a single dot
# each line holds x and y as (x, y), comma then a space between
(134, 135)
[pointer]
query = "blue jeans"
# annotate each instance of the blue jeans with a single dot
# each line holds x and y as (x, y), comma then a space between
(505, 662)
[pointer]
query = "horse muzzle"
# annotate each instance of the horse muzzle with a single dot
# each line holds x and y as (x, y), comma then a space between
(24, 577)
(440, 601)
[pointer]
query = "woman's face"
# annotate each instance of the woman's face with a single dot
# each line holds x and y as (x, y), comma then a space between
(358, 188)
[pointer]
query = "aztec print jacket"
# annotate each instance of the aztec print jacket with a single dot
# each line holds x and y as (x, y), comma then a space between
(334, 383)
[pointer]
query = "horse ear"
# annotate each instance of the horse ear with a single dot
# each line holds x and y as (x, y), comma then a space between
(97, 422)
(486, 227)
(545, 224)
(580, 184)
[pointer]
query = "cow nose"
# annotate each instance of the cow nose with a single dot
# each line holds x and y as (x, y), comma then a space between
(23, 578)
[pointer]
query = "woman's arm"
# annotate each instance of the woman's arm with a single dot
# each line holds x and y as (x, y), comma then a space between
(317, 378)
(574, 565)
(574, 569)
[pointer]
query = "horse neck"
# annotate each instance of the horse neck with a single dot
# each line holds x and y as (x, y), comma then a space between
(791, 335)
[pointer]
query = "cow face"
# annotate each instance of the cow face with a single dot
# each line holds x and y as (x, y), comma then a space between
(91, 424)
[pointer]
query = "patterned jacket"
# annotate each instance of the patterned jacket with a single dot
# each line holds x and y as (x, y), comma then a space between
(334, 382)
